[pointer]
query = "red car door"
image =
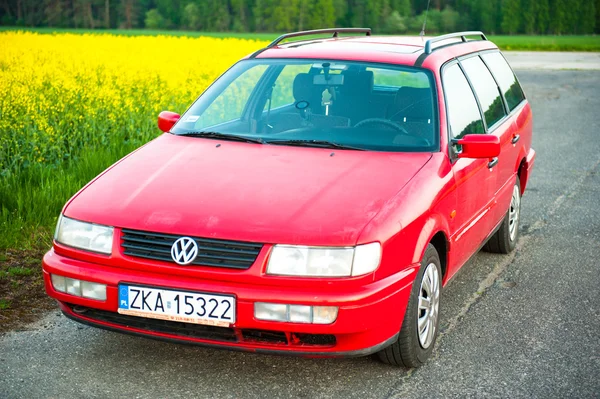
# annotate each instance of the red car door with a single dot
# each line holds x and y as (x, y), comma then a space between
(512, 131)
(475, 179)
(498, 123)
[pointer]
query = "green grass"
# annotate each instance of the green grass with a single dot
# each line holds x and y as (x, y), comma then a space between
(36, 195)
(4, 304)
(505, 42)
(547, 43)
(16, 272)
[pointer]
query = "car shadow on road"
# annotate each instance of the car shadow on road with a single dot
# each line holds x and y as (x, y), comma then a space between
(230, 373)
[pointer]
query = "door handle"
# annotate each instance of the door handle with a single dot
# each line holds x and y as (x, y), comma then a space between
(515, 138)
(493, 162)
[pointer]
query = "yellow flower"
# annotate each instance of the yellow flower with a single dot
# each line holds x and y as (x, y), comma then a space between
(63, 93)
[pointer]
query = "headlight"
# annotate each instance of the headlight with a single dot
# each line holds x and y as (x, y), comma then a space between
(288, 260)
(87, 236)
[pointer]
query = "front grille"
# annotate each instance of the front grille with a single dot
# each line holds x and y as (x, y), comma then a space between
(200, 331)
(315, 339)
(211, 252)
(271, 337)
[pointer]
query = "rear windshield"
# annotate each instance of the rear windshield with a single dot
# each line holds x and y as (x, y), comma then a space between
(359, 105)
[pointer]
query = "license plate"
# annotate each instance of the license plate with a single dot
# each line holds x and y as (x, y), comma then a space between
(172, 305)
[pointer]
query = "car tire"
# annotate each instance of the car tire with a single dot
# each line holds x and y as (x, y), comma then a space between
(414, 345)
(505, 239)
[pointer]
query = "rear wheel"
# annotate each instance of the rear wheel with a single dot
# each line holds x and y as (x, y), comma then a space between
(420, 325)
(504, 240)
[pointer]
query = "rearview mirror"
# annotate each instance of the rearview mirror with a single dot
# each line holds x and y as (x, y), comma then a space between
(166, 120)
(330, 80)
(478, 146)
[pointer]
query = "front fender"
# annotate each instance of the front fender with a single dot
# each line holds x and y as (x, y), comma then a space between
(432, 226)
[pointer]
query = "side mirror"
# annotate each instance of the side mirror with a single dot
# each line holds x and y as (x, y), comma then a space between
(478, 146)
(166, 120)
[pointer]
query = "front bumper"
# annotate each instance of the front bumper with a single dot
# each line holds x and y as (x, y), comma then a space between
(369, 316)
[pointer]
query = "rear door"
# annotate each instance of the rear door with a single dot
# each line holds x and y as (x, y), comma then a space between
(497, 123)
(510, 130)
(475, 180)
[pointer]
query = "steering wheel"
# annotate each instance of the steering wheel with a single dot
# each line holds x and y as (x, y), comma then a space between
(385, 122)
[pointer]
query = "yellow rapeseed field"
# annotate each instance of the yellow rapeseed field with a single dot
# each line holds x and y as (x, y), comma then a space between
(62, 94)
(72, 104)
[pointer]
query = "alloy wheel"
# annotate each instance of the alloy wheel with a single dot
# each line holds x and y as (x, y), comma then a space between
(429, 301)
(513, 214)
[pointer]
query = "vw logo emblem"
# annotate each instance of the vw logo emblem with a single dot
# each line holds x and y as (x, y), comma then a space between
(184, 250)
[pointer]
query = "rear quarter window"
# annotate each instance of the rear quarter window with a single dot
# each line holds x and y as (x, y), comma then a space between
(506, 79)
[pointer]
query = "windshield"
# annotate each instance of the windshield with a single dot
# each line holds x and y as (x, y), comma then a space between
(348, 104)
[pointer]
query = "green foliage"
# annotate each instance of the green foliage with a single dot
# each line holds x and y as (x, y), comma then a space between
(588, 17)
(191, 17)
(395, 23)
(170, 10)
(597, 7)
(511, 19)
(403, 7)
(558, 16)
(528, 16)
(542, 16)
(449, 20)
(491, 16)
(322, 13)
(154, 20)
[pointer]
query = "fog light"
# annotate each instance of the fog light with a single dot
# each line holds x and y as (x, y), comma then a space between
(324, 314)
(93, 290)
(270, 311)
(300, 314)
(295, 313)
(58, 282)
(81, 288)
(73, 286)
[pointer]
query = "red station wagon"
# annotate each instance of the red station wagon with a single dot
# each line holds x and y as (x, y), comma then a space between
(312, 201)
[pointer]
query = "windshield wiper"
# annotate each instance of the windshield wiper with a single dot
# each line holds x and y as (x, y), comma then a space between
(223, 136)
(313, 143)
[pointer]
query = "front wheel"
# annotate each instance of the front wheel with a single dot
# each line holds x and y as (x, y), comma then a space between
(420, 325)
(504, 240)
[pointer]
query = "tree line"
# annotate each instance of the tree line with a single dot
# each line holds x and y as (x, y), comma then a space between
(384, 16)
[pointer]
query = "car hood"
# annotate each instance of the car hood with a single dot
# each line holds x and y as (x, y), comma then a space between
(244, 191)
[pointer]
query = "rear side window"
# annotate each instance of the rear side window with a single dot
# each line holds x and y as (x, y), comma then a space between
(486, 90)
(506, 79)
(463, 113)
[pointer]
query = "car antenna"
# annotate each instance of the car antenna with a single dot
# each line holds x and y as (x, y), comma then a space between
(425, 21)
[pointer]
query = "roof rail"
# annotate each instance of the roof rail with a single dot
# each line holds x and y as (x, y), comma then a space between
(335, 32)
(461, 35)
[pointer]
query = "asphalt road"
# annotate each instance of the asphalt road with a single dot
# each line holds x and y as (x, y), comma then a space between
(551, 60)
(525, 325)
